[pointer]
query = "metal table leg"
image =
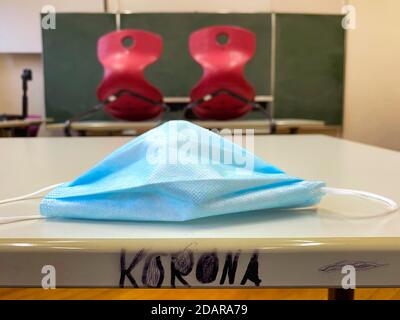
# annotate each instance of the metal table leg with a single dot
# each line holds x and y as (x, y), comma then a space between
(340, 294)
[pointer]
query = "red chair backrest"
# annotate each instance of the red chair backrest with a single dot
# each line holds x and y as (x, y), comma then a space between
(124, 66)
(223, 66)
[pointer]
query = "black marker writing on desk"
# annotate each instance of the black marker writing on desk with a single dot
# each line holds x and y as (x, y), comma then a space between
(183, 269)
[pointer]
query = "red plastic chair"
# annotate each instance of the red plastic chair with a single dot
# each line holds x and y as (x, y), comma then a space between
(222, 93)
(125, 54)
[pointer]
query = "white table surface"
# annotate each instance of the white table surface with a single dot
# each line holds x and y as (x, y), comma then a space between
(30, 164)
(293, 249)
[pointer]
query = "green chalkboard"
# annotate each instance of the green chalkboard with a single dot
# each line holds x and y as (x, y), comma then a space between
(176, 72)
(71, 69)
(309, 67)
(309, 60)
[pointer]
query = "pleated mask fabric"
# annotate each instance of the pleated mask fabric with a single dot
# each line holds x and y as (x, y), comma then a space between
(177, 172)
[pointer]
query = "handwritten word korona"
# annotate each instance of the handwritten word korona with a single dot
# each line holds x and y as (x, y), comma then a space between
(185, 270)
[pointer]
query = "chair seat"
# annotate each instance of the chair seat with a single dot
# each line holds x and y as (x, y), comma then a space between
(223, 65)
(125, 54)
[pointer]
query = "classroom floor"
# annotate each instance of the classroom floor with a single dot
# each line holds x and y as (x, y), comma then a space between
(144, 294)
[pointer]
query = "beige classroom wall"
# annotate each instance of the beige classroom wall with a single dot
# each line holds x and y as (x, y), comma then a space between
(372, 81)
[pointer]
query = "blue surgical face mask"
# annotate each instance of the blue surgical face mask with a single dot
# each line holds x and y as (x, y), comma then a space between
(177, 172)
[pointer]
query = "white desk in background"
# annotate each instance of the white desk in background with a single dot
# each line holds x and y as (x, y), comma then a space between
(292, 248)
(138, 127)
(10, 128)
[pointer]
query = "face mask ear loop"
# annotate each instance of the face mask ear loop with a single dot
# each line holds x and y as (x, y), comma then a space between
(5, 220)
(391, 206)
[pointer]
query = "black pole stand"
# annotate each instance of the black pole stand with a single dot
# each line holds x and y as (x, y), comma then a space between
(26, 76)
